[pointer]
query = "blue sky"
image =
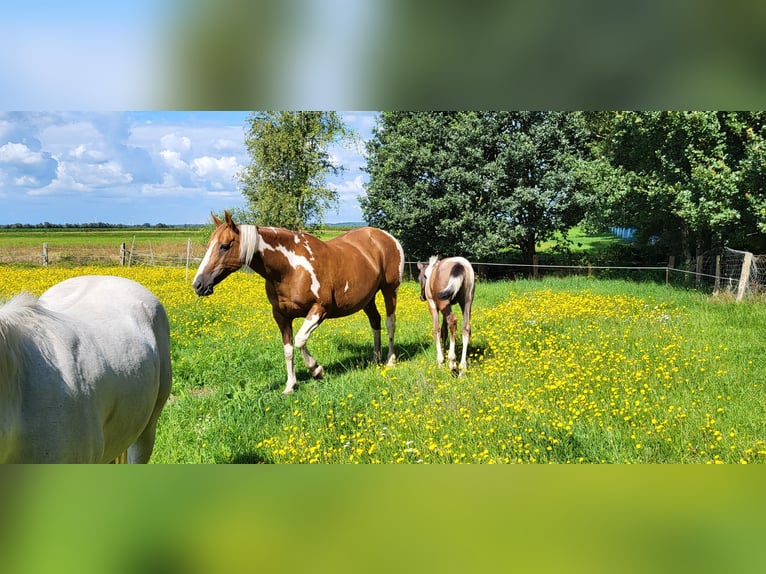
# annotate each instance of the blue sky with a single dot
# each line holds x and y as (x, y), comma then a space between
(141, 167)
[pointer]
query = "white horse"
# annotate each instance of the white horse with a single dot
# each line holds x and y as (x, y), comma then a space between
(84, 372)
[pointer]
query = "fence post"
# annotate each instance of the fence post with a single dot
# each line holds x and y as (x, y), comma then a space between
(122, 254)
(717, 284)
(699, 269)
(744, 276)
(188, 256)
(671, 265)
(44, 255)
(535, 260)
(130, 255)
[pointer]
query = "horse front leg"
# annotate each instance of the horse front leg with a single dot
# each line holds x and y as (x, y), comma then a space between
(285, 325)
(313, 320)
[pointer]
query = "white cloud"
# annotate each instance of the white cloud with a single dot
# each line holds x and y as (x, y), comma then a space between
(19, 153)
(349, 187)
(173, 159)
(175, 142)
(216, 167)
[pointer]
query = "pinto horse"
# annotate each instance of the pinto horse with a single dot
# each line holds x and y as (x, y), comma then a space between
(443, 283)
(307, 277)
(84, 372)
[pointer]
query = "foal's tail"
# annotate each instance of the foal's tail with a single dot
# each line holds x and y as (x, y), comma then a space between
(456, 278)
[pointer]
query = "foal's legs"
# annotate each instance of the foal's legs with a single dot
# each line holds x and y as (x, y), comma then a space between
(437, 332)
(466, 331)
(451, 320)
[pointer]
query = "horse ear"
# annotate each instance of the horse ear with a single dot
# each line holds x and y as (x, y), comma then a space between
(215, 219)
(230, 221)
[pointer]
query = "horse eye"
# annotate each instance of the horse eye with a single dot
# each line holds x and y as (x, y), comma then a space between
(225, 246)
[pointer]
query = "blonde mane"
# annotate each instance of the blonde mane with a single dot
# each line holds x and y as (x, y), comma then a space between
(248, 237)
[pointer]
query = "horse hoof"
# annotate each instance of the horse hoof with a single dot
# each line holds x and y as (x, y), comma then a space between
(318, 372)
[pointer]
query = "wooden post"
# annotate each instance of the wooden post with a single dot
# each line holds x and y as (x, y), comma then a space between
(744, 276)
(44, 255)
(671, 265)
(699, 269)
(535, 260)
(130, 255)
(151, 254)
(122, 254)
(188, 256)
(717, 284)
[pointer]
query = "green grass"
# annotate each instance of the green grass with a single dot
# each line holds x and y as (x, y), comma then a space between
(682, 384)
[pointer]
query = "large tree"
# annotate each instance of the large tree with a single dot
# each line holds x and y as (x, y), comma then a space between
(474, 183)
(285, 183)
(677, 176)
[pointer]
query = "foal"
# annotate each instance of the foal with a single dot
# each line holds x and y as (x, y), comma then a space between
(443, 283)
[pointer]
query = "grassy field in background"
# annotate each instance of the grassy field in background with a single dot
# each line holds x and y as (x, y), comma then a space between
(78, 246)
(561, 370)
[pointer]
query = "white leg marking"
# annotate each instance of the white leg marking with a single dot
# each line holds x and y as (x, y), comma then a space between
(308, 327)
(391, 329)
(291, 380)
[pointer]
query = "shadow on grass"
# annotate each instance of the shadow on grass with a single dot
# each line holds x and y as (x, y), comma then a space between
(357, 356)
(250, 458)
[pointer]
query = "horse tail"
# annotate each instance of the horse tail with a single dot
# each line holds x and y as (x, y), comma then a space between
(456, 277)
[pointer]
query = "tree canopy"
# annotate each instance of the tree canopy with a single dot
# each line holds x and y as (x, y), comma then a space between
(285, 183)
(478, 183)
(475, 183)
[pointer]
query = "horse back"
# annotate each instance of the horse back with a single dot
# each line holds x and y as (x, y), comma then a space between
(112, 347)
(453, 279)
(372, 252)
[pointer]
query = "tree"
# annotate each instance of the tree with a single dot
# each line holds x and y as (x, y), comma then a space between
(285, 183)
(474, 183)
(680, 173)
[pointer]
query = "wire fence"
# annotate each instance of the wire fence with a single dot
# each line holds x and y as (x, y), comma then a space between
(718, 271)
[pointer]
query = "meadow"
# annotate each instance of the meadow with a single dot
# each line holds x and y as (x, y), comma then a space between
(572, 370)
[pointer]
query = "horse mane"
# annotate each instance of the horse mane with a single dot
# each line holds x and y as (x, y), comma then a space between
(248, 242)
(17, 317)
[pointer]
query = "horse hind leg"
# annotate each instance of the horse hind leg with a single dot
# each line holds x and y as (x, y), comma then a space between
(373, 315)
(466, 332)
(389, 297)
(451, 321)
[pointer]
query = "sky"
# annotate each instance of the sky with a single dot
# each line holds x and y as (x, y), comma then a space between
(142, 167)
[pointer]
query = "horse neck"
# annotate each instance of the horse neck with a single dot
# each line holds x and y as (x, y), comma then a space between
(274, 248)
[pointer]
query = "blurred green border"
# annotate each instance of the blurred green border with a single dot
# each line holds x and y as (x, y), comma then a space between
(382, 519)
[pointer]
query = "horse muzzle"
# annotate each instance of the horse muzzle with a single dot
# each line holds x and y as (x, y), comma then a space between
(202, 289)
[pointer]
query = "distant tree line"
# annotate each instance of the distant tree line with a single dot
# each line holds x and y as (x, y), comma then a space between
(95, 225)
(480, 183)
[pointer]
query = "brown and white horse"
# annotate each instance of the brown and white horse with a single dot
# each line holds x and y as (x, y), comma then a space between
(307, 277)
(443, 283)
